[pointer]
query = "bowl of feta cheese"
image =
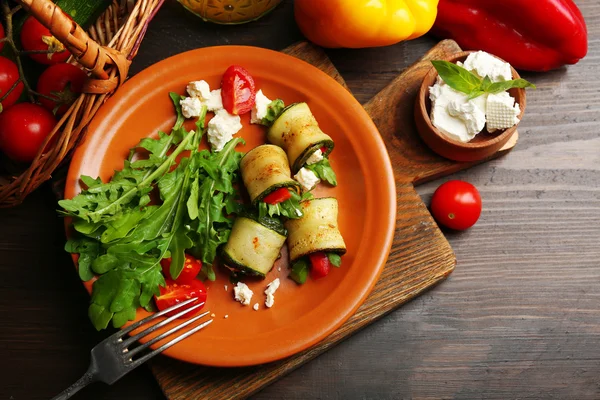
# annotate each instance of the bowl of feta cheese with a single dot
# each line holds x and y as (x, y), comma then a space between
(475, 110)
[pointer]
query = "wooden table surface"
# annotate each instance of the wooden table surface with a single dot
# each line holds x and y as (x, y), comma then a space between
(519, 318)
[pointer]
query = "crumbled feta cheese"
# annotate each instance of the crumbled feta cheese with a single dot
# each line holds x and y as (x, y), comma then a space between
(470, 114)
(259, 111)
(256, 307)
(484, 64)
(225, 287)
(242, 293)
(198, 89)
(279, 269)
(307, 178)
(221, 129)
(213, 315)
(214, 101)
(226, 316)
(270, 292)
(502, 111)
(315, 157)
(190, 107)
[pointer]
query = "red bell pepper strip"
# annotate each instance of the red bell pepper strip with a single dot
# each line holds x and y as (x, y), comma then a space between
(531, 35)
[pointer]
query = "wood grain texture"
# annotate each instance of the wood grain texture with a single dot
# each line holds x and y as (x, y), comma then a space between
(518, 318)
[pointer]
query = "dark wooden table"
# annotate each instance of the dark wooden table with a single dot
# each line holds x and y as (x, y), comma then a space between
(519, 318)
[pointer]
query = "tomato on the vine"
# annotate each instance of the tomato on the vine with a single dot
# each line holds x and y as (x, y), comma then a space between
(23, 129)
(456, 205)
(237, 90)
(9, 74)
(2, 36)
(36, 37)
(64, 82)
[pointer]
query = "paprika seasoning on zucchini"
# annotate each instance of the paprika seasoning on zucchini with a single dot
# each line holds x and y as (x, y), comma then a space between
(535, 35)
(267, 177)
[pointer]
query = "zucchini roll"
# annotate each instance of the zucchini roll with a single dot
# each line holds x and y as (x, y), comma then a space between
(254, 245)
(315, 241)
(296, 131)
(267, 177)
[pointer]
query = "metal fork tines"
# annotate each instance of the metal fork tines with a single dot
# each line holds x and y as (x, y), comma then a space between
(114, 357)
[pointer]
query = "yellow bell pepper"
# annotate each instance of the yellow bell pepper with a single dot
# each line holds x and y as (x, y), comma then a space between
(364, 23)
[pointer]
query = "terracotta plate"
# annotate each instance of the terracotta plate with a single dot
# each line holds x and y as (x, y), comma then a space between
(302, 315)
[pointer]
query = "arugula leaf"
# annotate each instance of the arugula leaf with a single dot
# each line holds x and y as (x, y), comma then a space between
(457, 77)
(299, 271)
(289, 208)
(273, 110)
(506, 85)
(334, 259)
(323, 171)
(88, 250)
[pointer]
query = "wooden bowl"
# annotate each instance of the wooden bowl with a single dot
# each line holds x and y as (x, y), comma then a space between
(481, 146)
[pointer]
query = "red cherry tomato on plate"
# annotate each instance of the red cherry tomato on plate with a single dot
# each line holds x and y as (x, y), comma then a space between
(320, 265)
(9, 74)
(237, 90)
(191, 269)
(36, 37)
(175, 293)
(456, 205)
(2, 36)
(278, 196)
(23, 129)
(64, 82)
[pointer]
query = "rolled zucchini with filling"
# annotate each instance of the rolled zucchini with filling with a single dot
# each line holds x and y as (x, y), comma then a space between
(254, 245)
(314, 241)
(267, 177)
(297, 132)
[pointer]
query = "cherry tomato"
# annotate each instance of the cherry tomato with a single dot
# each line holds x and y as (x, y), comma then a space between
(191, 269)
(278, 196)
(320, 265)
(237, 90)
(456, 205)
(36, 37)
(2, 36)
(23, 129)
(175, 293)
(64, 82)
(9, 74)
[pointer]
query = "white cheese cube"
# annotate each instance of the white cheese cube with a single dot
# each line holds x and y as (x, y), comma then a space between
(242, 293)
(214, 101)
(315, 157)
(259, 111)
(198, 89)
(221, 129)
(502, 111)
(270, 292)
(484, 64)
(307, 178)
(190, 107)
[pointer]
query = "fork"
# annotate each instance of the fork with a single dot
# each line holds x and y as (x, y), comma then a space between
(112, 358)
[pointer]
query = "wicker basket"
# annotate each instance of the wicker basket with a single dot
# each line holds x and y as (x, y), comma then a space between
(106, 52)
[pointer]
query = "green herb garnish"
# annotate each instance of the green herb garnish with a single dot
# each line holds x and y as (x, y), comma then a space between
(323, 171)
(273, 110)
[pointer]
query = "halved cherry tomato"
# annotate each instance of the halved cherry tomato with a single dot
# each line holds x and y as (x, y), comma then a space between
(63, 82)
(191, 269)
(36, 37)
(175, 293)
(320, 265)
(456, 205)
(23, 129)
(9, 74)
(2, 36)
(237, 90)
(278, 196)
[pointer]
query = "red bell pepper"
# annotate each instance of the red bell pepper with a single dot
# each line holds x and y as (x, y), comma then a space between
(534, 35)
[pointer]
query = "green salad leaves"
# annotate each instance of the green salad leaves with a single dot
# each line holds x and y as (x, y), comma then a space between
(323, 171)
(121, 234)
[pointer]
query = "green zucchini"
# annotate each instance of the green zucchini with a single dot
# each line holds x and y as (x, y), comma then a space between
(84, 12)
(296, 131)
(252, 248)
(317, 230)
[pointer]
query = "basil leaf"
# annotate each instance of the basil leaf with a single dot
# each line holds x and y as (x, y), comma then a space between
(506, 85)
(299, 271)
(334, 259)
(486, 83)
(474, 94)
(457, 77)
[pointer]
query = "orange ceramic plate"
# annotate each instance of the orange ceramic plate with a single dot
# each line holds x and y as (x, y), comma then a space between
(302, 315)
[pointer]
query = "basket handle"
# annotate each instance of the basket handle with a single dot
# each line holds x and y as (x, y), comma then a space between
(88, 53)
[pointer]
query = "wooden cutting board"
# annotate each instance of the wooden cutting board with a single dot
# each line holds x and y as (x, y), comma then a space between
(420, 256)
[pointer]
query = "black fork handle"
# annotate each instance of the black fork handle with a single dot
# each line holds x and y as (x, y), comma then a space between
(86, 379)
